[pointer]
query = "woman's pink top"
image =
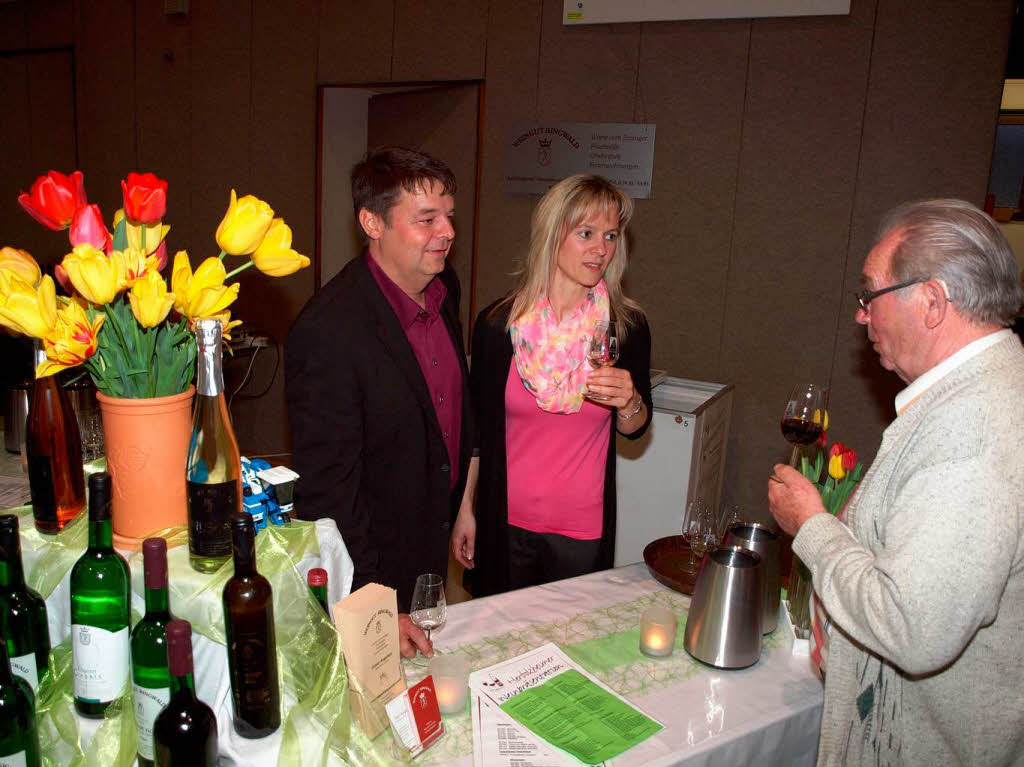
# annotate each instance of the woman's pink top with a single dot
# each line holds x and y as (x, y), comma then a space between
(556, 464)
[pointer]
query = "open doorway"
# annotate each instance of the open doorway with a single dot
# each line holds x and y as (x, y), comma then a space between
(442, 119)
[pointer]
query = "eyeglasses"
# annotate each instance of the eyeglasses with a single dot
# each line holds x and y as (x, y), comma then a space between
(865, 297)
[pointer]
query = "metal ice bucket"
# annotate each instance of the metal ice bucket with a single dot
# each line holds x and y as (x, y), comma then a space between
(723, 627)
(764, 541)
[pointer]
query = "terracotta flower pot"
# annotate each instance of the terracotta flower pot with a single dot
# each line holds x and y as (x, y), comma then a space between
(147, 445)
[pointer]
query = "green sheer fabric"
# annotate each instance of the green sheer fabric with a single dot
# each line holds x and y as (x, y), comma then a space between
(310, 660)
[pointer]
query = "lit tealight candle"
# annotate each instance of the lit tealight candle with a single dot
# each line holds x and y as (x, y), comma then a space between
(451, 682)
(657, 632)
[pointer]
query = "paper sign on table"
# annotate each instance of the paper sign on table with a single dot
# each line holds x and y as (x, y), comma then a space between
(415, 717)
(551, 696)
(500, 741)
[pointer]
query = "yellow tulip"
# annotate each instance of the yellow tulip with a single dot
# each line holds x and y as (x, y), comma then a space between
(155, 232)
(136, 265)
(817, 419)
(27, 309)
(275, 256)
(150, 300)
(95, 275)
(21, 263)
(72, 341)
(204, 293)
(226, 324)
(835, 467)
(244, 225)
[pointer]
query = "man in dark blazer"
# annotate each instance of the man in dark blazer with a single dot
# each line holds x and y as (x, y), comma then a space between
(376, 381)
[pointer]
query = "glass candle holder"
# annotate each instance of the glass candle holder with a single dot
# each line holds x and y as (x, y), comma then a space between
(657, 632)
(451, 681)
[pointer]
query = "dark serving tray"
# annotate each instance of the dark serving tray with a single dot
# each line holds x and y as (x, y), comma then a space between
(665, 558)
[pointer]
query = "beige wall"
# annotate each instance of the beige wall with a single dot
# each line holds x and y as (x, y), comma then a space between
(780, 142)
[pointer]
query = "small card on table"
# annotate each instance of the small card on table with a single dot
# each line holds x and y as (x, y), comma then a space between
(415, 717)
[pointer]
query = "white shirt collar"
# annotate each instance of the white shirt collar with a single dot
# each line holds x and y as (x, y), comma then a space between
(929, 378)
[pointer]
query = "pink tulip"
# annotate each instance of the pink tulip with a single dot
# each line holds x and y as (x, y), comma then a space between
(87, 227)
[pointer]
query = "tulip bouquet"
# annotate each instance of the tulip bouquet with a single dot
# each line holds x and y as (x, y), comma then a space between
(120, 320)
(841, 473)
(835, 471)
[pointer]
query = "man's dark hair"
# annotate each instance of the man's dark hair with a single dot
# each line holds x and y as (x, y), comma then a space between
(378, 179)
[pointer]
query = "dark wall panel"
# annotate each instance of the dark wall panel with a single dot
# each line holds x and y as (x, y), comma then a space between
(929, 128)
(355, 52)
(798, 165)
(439, 41)
(691, 87)
(105, 90)
(163, 78)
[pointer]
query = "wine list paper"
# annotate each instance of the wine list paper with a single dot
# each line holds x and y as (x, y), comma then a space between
(552, 697)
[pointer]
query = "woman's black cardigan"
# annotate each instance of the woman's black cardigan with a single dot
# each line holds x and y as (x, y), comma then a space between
(491, 357)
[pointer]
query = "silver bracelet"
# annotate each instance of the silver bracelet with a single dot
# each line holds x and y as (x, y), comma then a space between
(639, 407)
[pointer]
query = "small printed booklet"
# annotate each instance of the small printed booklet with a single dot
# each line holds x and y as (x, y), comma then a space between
(415, 717)
(542, 710)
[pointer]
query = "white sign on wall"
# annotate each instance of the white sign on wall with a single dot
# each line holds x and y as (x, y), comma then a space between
(632, 11)
(540, 154)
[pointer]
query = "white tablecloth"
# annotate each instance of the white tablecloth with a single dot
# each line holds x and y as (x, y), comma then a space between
(768, 714)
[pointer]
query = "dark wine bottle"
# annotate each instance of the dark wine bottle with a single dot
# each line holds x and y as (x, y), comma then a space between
(151, 682)
(252, 651)
(100, 611)
(185, 732)
(53, 449)
(317, 580)
(213, 471)
(22, 611)
(19, 740)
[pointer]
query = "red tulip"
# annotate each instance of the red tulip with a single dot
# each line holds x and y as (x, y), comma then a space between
(836, 449)
(145, 197)
(54, 199)
(823, 439)
(849, 458)
(87, 227)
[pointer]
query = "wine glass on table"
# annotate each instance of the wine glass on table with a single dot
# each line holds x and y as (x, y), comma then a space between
(803, 419)
(700, 530)
(429, 608)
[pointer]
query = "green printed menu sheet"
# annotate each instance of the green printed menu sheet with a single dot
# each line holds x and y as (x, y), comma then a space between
(550, 696)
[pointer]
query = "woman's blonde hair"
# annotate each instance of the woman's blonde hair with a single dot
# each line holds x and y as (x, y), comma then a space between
(559, 211)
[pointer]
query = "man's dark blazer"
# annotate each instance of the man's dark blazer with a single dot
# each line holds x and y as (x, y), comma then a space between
(365, 437)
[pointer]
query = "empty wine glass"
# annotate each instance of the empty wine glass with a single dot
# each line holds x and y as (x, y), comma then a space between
(429, 609)
(700, 529)
(803, 419)
(731, 515)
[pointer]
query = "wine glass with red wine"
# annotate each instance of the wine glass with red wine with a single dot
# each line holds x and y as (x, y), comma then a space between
(803, 420)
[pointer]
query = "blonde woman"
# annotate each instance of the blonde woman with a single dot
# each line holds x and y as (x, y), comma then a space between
(547, 419)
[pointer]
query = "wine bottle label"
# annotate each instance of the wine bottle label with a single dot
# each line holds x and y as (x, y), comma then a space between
(149, 702)
(251, 675)
(100, 661)
(40, 486)
(14, 760)
(210, 511)
(25, 667)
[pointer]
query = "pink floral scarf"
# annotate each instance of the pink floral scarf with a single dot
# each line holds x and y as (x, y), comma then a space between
(551, 357)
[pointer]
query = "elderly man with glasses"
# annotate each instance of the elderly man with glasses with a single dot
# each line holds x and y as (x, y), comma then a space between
(922, 574)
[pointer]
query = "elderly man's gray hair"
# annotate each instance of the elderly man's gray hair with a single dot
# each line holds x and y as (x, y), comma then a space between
(955, 242)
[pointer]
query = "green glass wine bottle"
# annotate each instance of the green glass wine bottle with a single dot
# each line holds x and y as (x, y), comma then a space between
(19, 740)
(22, 611)
(151, 681)
(317, 580)
(100, 611)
